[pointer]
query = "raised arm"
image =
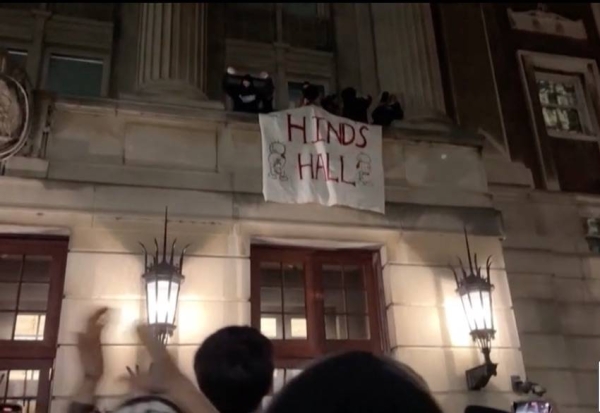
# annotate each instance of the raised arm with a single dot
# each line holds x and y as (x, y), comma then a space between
(92, 362)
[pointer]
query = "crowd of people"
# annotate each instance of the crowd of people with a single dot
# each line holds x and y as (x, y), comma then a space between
(255, 95)
(234, 372)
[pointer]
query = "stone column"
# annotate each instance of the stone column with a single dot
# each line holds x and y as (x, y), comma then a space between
(172, 50)
(407, 57)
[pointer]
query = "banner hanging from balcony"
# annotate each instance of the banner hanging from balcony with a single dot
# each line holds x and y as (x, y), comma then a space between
(310, 155)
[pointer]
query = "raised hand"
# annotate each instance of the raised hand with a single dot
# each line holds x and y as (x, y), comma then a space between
(89, 346)
(166, 378)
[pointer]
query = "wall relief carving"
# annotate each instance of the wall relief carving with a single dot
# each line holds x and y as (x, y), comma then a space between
(544, 22)
(15, 107)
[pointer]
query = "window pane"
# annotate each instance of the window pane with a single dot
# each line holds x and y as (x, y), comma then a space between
(569, 120)
(8, 296)
(294, 292)
(20, 387)
(74, 76)
(30, 327)
(335, 327)
(10, 268)
(290, 374)
(271, 326)
(34, 297)
(561, 107)
(294, 300)
(22, 383)
(353, 277)
(334, 301)
(356, 301)
(7, 321)
(301, 9)
(270, 274)
(293, 275)
(295, 327)
(19, 57)
(265, 402)
(37, 268)
(550, 118)
(270, 300)
(332, 276)
(278, 379)
(358, 328)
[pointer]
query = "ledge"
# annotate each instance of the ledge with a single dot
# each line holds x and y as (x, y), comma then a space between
(431, 129)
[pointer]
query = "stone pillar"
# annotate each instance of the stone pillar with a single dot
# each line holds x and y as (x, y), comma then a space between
(407, 57)
(172, 50)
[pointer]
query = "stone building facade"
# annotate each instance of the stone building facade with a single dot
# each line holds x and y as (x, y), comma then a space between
(128, 118)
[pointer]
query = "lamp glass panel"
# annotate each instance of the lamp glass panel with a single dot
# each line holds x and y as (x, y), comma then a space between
(478, 309)
(162, 301)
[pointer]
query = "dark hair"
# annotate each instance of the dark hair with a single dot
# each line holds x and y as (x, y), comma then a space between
(311, 93)
(355, 382)
(234, 368)
(385, 96)
(348, 93)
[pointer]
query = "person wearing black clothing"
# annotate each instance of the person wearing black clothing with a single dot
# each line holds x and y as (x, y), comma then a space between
(355, 108)
(387, 111)
(268, 94)
(331, 104)
(355, 382)
(244, 95)
(234, 368)
(310, 94)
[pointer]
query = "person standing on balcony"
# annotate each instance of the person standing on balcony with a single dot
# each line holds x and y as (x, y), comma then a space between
(355, 108)
(244, 94)
(310, 95)
(387, 111)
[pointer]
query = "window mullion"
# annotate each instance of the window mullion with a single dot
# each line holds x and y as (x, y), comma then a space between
(315, 316)
(279, 22)
(18, 299)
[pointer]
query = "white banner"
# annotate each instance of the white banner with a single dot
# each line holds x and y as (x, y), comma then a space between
(310, 155)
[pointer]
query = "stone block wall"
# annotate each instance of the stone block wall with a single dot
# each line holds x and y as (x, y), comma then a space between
(428, 329)
(555, 286)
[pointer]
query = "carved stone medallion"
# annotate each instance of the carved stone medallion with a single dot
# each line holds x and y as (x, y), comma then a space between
(15, 107)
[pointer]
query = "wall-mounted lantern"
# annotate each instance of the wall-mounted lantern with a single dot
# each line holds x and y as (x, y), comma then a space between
(475, 291)
(162, 282)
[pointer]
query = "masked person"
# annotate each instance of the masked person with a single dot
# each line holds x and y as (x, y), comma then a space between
(387, 111)
(310, 94)
(244, 94)
(355, 108)
(331, 104)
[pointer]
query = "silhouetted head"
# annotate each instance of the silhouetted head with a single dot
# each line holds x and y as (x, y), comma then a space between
(234, 369)
(247, 81)
(385, 97)
(348, 94)
(311, 93)
(355, 382)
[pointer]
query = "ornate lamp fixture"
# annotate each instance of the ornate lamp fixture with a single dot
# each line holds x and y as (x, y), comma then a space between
(162, 281)
(475, 291)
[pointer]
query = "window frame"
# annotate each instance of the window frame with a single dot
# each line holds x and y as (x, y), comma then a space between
(105, 58)
(45, 367)
(582, 107)
(57, 248)
(529, 63)
(292, 353)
